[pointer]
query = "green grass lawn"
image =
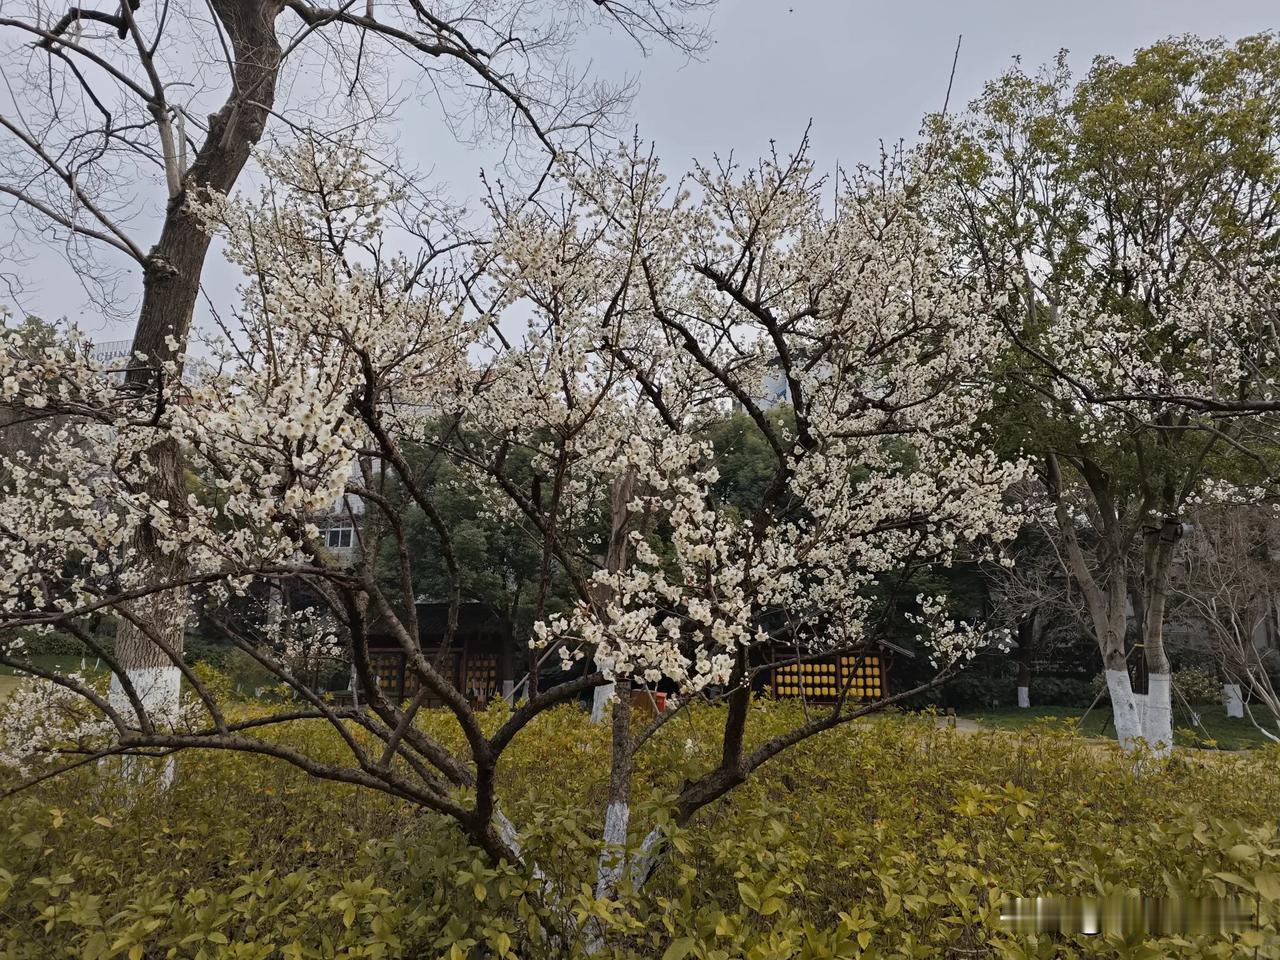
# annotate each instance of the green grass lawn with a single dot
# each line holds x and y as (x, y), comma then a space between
(7, 684)
(9, 678)
(1216, 730)
(61, 664)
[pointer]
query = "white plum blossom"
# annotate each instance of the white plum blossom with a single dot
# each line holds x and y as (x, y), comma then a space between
(42, 719)
(885, 352)
(595, 342)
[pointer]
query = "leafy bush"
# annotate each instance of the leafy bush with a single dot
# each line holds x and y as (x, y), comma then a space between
(55, 643)
(884, 839)
(1197, 686)
(1192, 683)
(993, 683)
(1062, 691)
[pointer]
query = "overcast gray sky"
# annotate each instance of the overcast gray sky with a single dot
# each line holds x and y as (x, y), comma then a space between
(862, 71)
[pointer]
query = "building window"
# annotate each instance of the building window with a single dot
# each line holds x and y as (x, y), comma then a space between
(338, 536)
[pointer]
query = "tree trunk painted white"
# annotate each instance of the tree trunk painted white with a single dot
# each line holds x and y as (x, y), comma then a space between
(1233, 700)
(158, 689)
(1028, 629)
(1157, 716)
(150, 630)
(511, 837)
(1158, 551)
(646, 861)
(613, 853)
(275, 607)
(616, 819)
(170, 291)
(1124, 709)
(1106, 597)
(600, 701)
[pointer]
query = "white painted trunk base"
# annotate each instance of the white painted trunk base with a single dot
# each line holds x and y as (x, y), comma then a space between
(1124, 709)
(1157, 717)
(613, 856)
(157, 689)
(610, 866)
(600, 702)
(1233, 700)
(511, 837)
(1024, 697)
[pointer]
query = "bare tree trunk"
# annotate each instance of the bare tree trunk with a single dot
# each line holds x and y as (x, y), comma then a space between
(171, 286)
(615, 561)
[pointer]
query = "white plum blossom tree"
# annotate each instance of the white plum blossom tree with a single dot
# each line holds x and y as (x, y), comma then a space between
(116, 118)
(594, 337)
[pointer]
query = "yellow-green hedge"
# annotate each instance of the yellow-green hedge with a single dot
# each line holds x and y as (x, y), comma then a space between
(884, 839)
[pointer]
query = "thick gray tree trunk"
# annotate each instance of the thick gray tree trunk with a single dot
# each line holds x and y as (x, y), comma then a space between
(171, 287)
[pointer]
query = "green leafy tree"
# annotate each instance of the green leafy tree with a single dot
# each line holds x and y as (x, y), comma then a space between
(1132, 219)
(498, 558)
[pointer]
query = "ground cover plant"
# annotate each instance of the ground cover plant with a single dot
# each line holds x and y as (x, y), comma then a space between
(889, 838)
